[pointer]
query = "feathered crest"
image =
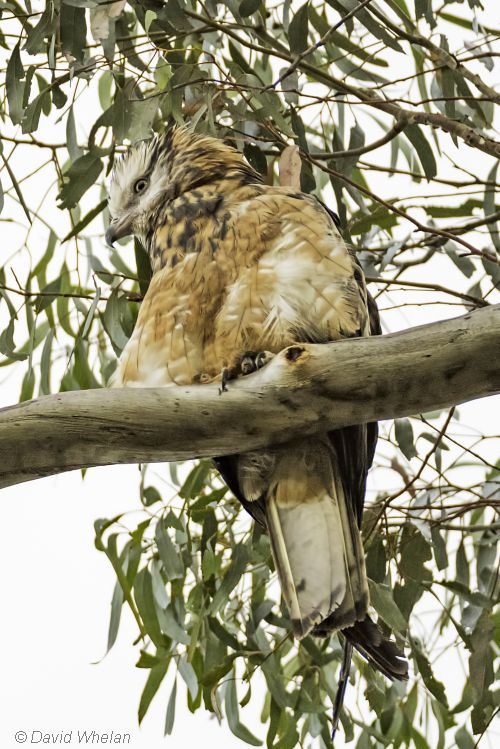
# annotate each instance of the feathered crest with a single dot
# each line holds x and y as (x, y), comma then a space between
(186, 156)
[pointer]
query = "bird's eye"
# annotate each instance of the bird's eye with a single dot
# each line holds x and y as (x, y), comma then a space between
(140, 185)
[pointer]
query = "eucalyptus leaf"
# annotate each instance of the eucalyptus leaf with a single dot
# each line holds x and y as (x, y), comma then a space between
(172, 562)
(170, 715)
(298, 30)
(155, 678)
(384, 604)
(404, 437)
(81, 175)
(14, 85)
(423, 150)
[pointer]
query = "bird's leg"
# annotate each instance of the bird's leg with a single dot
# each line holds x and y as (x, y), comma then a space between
(245, 364)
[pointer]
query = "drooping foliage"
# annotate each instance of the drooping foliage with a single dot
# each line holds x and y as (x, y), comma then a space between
(393, 107)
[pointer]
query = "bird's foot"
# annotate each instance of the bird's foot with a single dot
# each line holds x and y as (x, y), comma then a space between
(251, 361)
(245, 364)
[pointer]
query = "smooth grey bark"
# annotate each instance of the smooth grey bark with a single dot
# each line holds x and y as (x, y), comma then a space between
(304, 389)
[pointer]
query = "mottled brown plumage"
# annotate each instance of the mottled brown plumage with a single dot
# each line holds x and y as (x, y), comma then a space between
(241, 266)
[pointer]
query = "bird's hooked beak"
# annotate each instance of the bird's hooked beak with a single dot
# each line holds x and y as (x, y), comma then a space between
(118, 229)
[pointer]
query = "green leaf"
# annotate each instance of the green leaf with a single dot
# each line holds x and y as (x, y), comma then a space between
(45, 364)
(434, 686)
(385, 606)
(196, 480)
(439, 548)
(90, 314)
(45, 27)
(62, 303)
(152, 685)
(232, 713)
(464, 740)
(490, 207)
(38, 271)
(336, 39)
(49, 293)
(423, 8)
(423, 150)
(176, 16)
(59, 98)
(159, 588)
(73, 30)
(147, 660)
(143, 593)
(463, 263)
(81, 175)
(375, 28)
(480, 661)
(217, 672)
(248, 7)
(231, 578)
(447, 80)
(376, 560)
(462, 565)
(162, 74)
(415, 551)
(15, 89)
(113, 319)
(149, 17)
(82, 370)
(170, 716)
(451, 211)
(74, 149)
(473, 597)
(140, 115)
(465, 23)
(150, 495)
(271, 669)
(28, 386)
(362, 222)
(171, 627)
(85, 221)
(418, 739)
(115, 616)
(404, 437)
(33, 112)
(171, 561)
(298, 30)
(7, 345)
(188, 674)
(143, 263)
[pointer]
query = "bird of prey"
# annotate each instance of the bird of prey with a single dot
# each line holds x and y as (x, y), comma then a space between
(242, 270)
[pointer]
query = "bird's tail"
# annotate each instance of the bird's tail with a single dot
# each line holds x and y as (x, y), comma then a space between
(319, 556)
(316, 541)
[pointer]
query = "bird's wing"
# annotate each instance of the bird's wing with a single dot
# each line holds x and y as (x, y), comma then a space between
(310, 494)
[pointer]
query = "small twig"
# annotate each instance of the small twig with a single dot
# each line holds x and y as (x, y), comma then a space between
(431, 286)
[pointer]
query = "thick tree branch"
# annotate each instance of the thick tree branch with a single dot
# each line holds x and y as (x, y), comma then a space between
(305, 389)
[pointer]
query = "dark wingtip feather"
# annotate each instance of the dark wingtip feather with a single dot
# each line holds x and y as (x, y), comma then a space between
(379, 651)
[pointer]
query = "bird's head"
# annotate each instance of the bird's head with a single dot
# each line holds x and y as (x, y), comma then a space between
(154, 172)
(138, 181)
